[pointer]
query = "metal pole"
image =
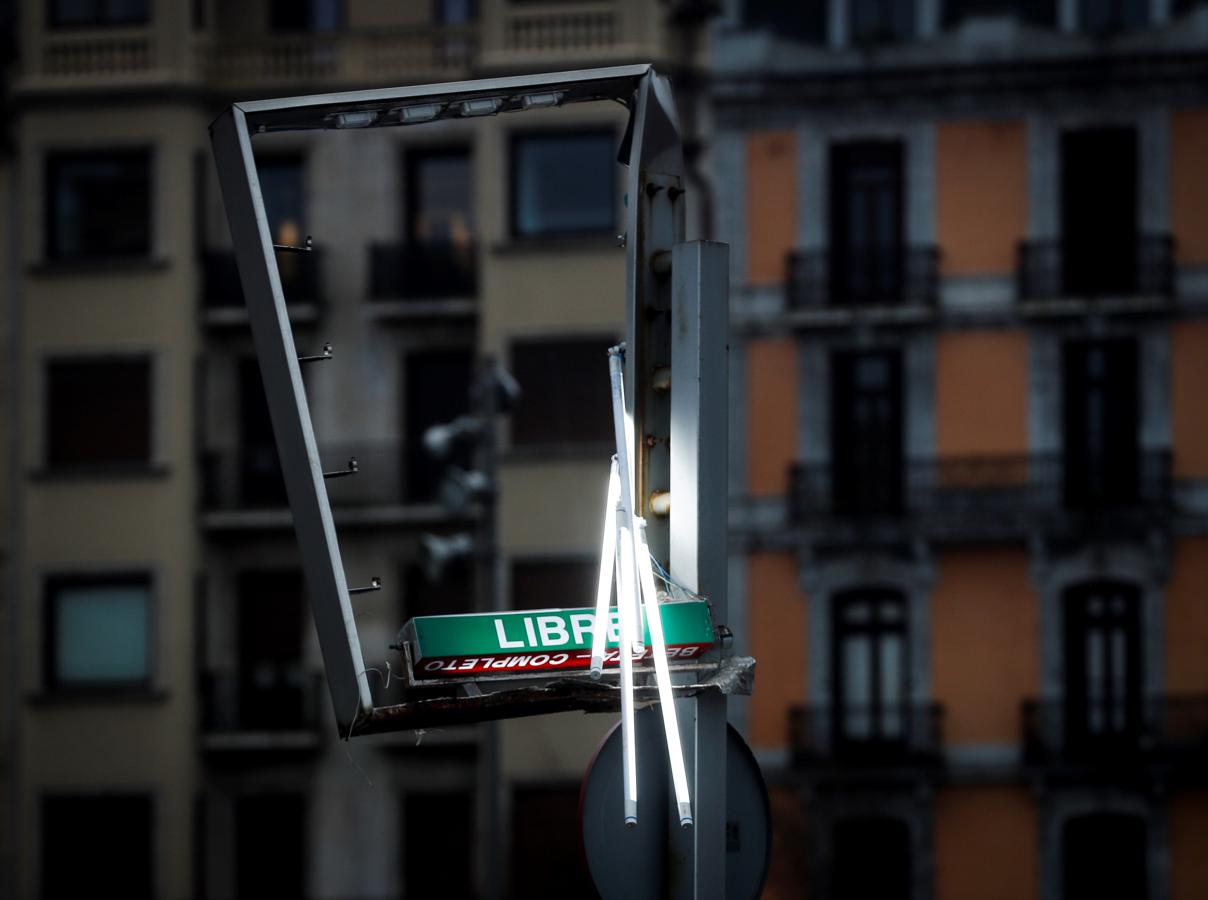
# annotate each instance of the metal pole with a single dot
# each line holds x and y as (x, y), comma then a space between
(486, 599)
(699, 507)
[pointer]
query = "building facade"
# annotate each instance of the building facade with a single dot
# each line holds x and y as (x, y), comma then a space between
(173, 734)
(970, 280)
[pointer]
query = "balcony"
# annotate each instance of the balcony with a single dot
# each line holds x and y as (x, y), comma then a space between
(1051, 270)
(908, 735)
(114, 54)
(390, 475)
(348, 59)
(876, 276)
(983, 498)
(532, 37)
(416, 275)
(99, 58)
(1168, 730)
(582, 33)
(272, 707)
(222, 294)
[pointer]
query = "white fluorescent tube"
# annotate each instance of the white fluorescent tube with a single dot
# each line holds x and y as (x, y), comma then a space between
(629, 761)
(639, 638)
(622, 425)
(608, 554)
(662, 675)
(622, 428)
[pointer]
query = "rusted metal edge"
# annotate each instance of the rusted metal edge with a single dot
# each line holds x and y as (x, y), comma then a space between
(735, 675)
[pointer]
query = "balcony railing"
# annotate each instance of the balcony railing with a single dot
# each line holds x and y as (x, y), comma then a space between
(583, 27)
(908, 734)
(415, 271)
(353, 57)
(1048, 270)
(874, 276)
(267, 698)
(388, 474)
(103, 53)
(980, 495)
(301, 279)
(1166, 729)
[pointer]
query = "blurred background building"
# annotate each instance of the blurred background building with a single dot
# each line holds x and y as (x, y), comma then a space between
(970, 273)
(173, 735)
(969, 246)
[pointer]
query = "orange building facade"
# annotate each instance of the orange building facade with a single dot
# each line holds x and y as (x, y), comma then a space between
(970, 355)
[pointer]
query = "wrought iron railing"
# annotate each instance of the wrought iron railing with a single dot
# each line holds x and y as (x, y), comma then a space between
(980, 492)
(388, 474)
(891, 734)
(870, 276)
(1165, 728)
(418, 271)
(1046, 271)
(301, 279)
(268, 697)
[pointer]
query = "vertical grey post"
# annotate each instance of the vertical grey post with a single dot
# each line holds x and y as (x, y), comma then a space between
(485, 401)
(699, 506)
(290, 414)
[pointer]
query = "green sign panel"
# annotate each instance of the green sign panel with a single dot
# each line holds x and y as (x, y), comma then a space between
(540, 640)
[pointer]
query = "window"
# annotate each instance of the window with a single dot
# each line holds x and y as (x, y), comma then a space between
(869, 662)
(1101, 431)
(798, 21)
(452, 593)
(1103, 855)
(260, 480)
(547, 860)
(437, 390)
(101, 840)
(270, 846)
(875, 21)
(282, 185)
(1042, 13)
(69, 13)
(98, 205)
(1099, 211)
(872, 859)
(455, 12)
(438, 826)
(564, 183)
(274, 690)
(305, 15)
(552, 584)
(98, 413)
(98, 632)
(866, 214)
(438, 256)
(566, 399)
(1099, 16)
(866, 432)
(1103, 665)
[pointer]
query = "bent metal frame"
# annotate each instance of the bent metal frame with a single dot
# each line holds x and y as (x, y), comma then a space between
(676, 324)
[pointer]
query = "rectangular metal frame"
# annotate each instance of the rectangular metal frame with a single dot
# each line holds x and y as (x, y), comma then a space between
(651, 139)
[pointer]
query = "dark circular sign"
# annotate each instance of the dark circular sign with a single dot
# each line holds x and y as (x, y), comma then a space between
(633, 862)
